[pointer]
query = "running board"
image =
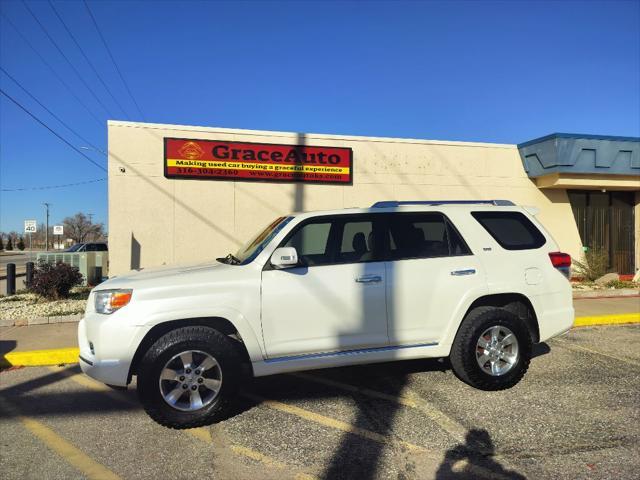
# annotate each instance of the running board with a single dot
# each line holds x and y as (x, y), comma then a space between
(347, 352)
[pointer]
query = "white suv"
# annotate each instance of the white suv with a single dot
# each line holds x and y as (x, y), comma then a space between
(478, 282)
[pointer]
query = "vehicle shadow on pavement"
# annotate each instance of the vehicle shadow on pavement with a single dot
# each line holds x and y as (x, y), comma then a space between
(83, 401)
(6, 346)
(354, 457)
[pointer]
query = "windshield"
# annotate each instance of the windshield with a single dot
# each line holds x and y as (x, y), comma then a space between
(249, 251)
(74, 248)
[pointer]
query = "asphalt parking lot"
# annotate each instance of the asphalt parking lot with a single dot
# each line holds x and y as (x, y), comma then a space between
(575, 415)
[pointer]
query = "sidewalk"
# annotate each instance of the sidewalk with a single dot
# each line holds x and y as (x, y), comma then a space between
(588, 307)
(56, 343)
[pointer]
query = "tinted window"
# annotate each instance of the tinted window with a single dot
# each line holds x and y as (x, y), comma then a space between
(335, 240)
(457, 246)
(512, 230)
(91, 247)
(356, 243)
(311, 241)
(423, 235)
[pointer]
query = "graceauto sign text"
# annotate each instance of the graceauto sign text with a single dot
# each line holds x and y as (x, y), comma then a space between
(222, 160)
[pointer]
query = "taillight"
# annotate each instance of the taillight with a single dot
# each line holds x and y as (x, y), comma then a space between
(561, 261)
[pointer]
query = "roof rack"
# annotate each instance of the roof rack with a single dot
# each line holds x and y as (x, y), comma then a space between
(396, 203)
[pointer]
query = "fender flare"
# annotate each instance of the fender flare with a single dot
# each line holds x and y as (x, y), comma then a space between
(254, 347)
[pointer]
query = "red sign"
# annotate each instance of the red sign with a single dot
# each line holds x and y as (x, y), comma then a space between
(220, 160)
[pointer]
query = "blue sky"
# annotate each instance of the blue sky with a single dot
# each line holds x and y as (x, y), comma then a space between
(476, 71)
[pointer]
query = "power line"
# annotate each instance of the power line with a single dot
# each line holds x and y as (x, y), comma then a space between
(75, 70)
(87, 59)
(50, 129)
(113, 59)
(50, 187)
(65, 84)
(51, 113)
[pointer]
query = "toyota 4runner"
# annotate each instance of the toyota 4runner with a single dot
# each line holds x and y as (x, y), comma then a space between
(479, 282)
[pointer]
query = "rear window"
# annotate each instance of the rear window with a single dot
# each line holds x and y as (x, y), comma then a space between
(512, 230)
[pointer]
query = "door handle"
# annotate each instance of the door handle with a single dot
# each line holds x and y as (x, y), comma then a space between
(467, 271)
(369, 279)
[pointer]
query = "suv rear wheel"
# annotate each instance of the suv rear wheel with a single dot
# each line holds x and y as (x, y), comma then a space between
(492, 349)
(188, 377)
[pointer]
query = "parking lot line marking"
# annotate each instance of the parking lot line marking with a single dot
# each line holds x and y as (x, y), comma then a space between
(407, 399)
(200, 433)
(70, 453)
(444, 421)
(571, 346)
(259, 457)
(38, 358)
(478, 471)
(616, 319)
(333, 423)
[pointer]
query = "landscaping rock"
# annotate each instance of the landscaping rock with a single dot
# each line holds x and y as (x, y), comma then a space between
(29, 309)
(607, 277)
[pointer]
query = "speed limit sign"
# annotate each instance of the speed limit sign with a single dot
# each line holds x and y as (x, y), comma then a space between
(30, 226)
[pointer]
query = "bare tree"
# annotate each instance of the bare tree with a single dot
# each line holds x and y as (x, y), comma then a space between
(80, 229)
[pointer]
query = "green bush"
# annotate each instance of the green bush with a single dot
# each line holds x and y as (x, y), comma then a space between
(54, 282)
(595, 263)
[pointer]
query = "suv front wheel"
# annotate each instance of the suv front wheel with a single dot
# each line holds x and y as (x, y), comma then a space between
(492, 349)
(188, 377)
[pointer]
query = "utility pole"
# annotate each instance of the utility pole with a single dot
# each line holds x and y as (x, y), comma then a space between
(46, 236)
(90, 215)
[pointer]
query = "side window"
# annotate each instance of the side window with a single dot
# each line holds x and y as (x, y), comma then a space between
(102, 247)
(423, 235)
(356, 243)
(512, 230)
(312, 241)
(457, 246)
(91, 247)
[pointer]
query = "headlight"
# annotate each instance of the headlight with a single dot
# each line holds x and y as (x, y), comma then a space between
(108, 301)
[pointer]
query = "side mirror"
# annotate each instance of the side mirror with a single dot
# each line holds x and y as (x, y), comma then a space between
(284, 257)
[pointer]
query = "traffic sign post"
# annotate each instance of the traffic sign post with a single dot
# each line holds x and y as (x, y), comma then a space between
(59, 231)
(30, 227)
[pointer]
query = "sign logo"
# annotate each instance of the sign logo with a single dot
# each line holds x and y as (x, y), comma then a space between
(191, 150)
(265, 162)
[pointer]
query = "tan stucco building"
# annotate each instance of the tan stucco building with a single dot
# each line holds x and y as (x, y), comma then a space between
(156, 217)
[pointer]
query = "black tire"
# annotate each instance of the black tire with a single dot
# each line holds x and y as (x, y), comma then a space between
(195, 338)
(463, 352)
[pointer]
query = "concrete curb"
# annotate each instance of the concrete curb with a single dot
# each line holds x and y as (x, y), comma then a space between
(24, 322)
(41, 358)
(617, 319)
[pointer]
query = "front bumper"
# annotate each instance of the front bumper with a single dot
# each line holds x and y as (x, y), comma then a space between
(107, 347)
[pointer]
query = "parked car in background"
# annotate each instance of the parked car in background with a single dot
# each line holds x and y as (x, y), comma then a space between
(479, 282)
(88, 247)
